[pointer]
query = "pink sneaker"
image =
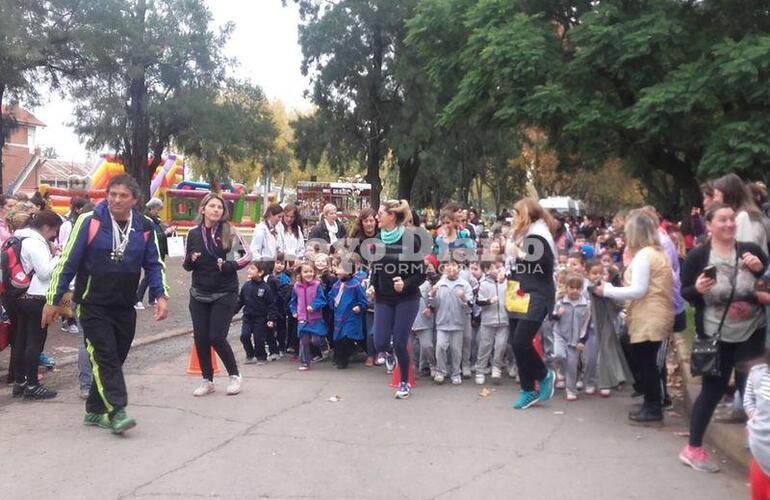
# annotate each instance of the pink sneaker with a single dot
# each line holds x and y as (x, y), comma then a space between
(605, 393)
(571, 396)
(303, 368)
(698, 458)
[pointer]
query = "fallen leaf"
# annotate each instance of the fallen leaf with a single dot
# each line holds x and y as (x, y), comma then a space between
(335, 399)
(673, 414)
(682, 434)
(558, 412)
(485, 392)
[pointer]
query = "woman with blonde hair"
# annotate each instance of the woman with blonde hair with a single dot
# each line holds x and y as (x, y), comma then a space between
(531, 292)
(647, 292)
(215, 252)
(328, 228)
(396, 278)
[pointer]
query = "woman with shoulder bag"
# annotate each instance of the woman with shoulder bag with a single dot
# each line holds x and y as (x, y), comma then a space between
(719, 279)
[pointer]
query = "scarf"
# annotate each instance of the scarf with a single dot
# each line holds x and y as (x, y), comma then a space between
(332, 228)
(390, 237)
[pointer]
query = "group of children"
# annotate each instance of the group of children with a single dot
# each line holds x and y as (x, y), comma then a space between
(461, 329)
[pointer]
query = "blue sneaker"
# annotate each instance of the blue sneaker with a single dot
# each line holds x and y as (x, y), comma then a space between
(403, 391)
(547, 386)
(526, 399)
(46, 360)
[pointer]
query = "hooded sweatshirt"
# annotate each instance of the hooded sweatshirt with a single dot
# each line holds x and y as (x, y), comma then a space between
(492, 314)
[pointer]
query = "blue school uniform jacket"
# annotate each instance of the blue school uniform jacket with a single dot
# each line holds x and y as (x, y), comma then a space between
(348, 324)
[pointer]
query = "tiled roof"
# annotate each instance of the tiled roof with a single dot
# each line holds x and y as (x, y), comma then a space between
(61, 169)
(22, 116)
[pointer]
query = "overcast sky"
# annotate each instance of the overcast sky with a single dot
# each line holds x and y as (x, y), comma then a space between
(264, 43)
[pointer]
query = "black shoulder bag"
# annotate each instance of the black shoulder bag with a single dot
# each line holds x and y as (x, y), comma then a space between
(704, 353)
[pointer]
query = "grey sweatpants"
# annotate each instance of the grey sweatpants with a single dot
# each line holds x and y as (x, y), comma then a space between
(491, 337)
(591, 360)
(467, 347)
(427, 354)
(449, 340)
(566, 358)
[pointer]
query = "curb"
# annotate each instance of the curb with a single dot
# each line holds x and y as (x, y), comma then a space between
(727, 438)
(151, 339)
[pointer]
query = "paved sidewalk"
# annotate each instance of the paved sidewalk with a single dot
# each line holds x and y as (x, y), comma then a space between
(283, 438)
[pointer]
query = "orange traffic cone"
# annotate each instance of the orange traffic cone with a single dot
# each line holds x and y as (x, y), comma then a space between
(395, 380)
(194, 367)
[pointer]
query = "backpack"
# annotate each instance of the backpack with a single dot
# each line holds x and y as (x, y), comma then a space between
(15, 281)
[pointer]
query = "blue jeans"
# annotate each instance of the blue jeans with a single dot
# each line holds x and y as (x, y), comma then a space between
(85, 374)
(394, 321)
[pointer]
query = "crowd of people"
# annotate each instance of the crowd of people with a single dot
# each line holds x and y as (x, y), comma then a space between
(584, 305)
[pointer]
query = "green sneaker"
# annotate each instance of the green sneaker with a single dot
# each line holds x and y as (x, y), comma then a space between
(120, 422)
(100, 420)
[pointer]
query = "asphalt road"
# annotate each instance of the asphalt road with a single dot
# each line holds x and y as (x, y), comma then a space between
(283, 438)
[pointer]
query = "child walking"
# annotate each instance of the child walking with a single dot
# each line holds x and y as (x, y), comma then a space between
(424, 327)
(348, 300)
(493, 331)
(451, 296)
(306, 305)
(259, 313)
(572, 315)
(280, 284)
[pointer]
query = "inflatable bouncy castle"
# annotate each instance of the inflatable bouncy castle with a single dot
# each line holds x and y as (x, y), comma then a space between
(181, 198)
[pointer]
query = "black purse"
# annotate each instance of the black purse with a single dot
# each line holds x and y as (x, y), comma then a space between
(704, 353)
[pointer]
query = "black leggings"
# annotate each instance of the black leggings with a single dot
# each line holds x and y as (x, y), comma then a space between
(394, 321)
(530, 364)
(713, 388)
(29, 340)
(211, 322)
(645, 355)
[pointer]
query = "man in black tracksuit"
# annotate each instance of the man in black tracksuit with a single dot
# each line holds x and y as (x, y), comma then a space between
(105, 253)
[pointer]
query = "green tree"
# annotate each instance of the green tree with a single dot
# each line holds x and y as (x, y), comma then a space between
(675, 90)
(149, 65)
(35, 47)
(235, 128)
(350, 50)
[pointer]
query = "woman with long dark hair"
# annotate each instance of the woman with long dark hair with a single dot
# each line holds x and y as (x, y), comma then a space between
(265, 242)
(215, 252)
(749, 219)
(291, 241)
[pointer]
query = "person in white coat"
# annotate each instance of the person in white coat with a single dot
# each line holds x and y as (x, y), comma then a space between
(264, 243)
(291, 241)
(38, 261)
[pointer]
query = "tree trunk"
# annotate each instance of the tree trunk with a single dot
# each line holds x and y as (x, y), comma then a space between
(407, 173)
(2, 136)
(138, 119)
(374, 144)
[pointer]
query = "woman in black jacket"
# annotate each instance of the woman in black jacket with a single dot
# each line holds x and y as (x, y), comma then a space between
(709, 274)
(328, 228)
(215, 252)
(396, 278)
(530, 265)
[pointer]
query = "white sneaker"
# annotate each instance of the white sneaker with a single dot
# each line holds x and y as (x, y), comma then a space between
(438, 378)
(235, 385)
(206, 387)
(480, 379)
(273, 357)
(560, 384)
(73, 329)
(580, 385)
(457, 380)
(497, 375)
(590, 390)
(571, 396)
(467, 373)
(250, 361)
(139, 306)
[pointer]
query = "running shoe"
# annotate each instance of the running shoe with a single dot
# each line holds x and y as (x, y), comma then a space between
(234, 387)
(698, 458)
(84, 393)
(497, 375)
(380, 360)
(273, 357)
(571, 396)
(46, 360)
(250, 361)
(403, 391)
(206, 387)
(457, 380)
(101, 420)
(467, 373)
(120, 423)
(480, 379)
(390, 363)
(73, 329)
(139, 306)
(526, 399)
(590, 390)
(438, 378)
(18, 390)
(38, 392)
(303, 368)
(547, 386)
